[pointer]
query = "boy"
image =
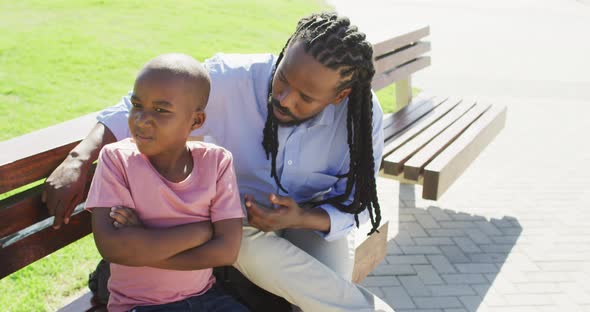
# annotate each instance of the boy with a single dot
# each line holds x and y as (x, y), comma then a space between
(185, 196)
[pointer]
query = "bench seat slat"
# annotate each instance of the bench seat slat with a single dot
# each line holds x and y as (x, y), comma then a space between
(394, 124)
(388, 62)
(25, 209)
(414, 166)
(384, 79)
(84, 303)
(21, 211)
(417, 127)
(37, 245)
(394, 163)
(448, 165)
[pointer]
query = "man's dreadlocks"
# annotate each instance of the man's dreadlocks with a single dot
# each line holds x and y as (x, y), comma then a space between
(336, 44)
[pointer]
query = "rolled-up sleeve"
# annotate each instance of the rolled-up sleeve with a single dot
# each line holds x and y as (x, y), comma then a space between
(341, 223)
(115, 117)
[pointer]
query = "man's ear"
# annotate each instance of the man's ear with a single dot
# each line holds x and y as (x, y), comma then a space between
(198, 119)
(341, 95)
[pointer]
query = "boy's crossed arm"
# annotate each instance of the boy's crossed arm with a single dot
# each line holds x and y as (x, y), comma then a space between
(140, 246)
(192, 246)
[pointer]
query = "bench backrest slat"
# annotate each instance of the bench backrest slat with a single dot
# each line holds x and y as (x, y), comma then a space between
(400, 72)
(35, 155)
(381, 47)
(450, 163)
(398, 57)
(407, 54)
(414, 166)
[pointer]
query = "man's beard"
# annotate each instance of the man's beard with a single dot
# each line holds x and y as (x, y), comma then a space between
(277, 105)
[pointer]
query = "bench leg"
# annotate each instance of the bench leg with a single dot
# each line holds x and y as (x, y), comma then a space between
(403, 93)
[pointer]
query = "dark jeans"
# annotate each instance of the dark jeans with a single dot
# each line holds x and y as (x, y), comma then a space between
(214, 300)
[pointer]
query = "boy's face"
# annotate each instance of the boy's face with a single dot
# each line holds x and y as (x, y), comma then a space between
(302, 87)
(163, 112)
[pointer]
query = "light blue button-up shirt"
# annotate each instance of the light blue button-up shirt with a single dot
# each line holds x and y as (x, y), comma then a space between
(311, 155)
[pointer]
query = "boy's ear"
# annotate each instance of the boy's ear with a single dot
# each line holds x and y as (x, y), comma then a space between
(198, 119)
(344, 93)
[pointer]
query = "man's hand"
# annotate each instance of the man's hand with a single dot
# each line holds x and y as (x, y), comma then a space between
(124, 217)
(64, 189)
(288, 214)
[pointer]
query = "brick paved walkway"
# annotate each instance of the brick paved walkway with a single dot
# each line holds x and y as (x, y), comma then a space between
(513, 234)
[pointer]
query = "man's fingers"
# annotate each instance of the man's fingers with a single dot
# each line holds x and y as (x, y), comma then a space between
(59, 215)
(44, 194)
(280, 200)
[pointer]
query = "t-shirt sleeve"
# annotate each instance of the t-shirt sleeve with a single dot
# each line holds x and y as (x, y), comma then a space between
(226, 203)
(109, 187)
(115, 117)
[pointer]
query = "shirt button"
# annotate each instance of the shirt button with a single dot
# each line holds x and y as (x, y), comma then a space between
(290, 162)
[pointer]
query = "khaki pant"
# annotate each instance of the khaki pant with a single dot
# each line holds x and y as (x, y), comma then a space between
(306, 270)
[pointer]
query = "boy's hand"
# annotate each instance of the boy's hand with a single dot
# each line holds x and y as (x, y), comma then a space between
(124, 217)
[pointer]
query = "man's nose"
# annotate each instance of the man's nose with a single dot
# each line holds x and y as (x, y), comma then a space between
(285, 98)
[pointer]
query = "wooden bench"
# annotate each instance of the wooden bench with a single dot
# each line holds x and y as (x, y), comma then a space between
(429, 142)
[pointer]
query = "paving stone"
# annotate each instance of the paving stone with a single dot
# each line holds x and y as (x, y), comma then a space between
(380, 280)
(441, 264)
(454, 254)
(494, 248)
(477, 236)
(451, 290)
(538, 288)
(457, 224)
(398, 298)
(467, 245)
(488, 257)
(428, 274)
(488, 228)
(392, 270)
(407, 259)
(414, 229)
(437, 302)
(528, 299)
(376, 291)
(471, 303)
(445, 232)
(476, 268)
(420, 250)
(427, 221)
(464, 278)
(428, 241)
(414, 286)
(438, 214)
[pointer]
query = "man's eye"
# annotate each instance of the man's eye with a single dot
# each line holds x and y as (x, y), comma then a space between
(136, 105)
(306, 99)
(161, 110)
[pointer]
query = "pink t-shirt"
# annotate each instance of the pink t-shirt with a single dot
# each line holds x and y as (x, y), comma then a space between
(125, 177)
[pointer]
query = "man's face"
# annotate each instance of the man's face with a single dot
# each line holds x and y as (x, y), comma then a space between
(302, 87)
(163, 113)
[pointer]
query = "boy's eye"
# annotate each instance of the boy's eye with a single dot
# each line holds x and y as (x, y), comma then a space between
(161, 110)
(135, 105)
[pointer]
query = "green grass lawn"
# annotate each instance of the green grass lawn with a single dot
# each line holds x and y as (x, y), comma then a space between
(62, 59)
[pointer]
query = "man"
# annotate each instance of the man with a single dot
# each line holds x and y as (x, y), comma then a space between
(310, 181)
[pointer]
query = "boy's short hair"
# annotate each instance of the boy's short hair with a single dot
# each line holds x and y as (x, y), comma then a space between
(183, 67)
